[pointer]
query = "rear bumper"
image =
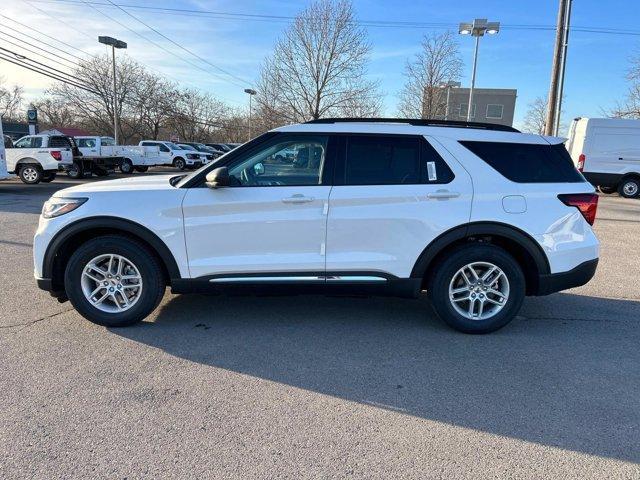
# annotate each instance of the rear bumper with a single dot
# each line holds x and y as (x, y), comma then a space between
(576, 277)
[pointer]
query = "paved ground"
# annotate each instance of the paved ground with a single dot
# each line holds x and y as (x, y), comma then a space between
(313, 387)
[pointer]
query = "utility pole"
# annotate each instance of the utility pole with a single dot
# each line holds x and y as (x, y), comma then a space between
(556, 68)
(565, 45)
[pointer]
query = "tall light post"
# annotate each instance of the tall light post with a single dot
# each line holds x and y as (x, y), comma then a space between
(114, 44)
(477, 29)
(449, 85)
(251, 93)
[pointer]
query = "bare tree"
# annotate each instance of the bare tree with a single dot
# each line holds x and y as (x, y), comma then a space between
(437, 63)
(536, 116)
(54, 112)
(318, 67)
(630, 107)
(10, 101)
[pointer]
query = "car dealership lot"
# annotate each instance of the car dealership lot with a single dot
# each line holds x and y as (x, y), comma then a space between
(299, 387)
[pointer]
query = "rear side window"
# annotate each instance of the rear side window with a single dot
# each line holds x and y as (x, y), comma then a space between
(392, 160)
(59, 142)
(527, 163)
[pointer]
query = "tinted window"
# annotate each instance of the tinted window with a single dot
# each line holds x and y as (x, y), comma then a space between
(527, 163)
(59, 142)
(86, 142)
(36, 142)
(393, 160)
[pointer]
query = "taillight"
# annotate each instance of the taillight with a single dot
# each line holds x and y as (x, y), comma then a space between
(587, 203)
(57, 155)
(581, 160)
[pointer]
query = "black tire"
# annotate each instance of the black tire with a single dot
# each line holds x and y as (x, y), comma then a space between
(126, 166)
(30, 173)
(101, 172)
(48, 177)
(147, 263)
(179, 163)
(142, 168)
(438, 287)
(607, 190)
(75, 171)
(629, 187)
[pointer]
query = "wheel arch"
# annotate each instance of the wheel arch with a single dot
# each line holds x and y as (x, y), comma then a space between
(527, 252)
(67, 240)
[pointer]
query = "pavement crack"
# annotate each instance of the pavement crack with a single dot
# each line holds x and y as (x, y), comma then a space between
(33, 322)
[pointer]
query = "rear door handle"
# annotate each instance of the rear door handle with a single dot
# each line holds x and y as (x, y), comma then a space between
(298, 198)
(440, 194)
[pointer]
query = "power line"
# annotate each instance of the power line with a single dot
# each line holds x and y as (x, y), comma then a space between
(5, 57)
(35, 46)
(182, 47)
(21, 57)
(371, 23)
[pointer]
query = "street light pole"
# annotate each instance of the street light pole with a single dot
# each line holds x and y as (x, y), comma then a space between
(477, 29)
(114, 43)
(473, 78)
(251, 93)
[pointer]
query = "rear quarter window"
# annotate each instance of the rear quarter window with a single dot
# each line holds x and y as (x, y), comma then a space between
(59, 142)
(527, 163)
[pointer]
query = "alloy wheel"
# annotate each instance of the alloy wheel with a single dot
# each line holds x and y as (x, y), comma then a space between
(111, 283)
(479, 290)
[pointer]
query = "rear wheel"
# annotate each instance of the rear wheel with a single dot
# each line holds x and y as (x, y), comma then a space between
(477, 289)
(629, 187)
(75, 171)
(30, 173)
(114, 281)
(126, 166)
(179, 163)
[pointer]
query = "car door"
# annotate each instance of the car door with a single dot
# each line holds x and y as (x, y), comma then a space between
(270, 222)
(393, 195)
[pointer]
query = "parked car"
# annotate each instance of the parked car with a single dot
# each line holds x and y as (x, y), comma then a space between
(172, 154)
(201, 147)
(7, 143)
(607, 152)
(206, 155)
(476, 215)
(221, 147)
(37, 158)
(233, 145)
(131, 157)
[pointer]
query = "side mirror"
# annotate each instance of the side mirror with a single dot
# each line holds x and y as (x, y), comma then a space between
(258, 168)
(218, 177)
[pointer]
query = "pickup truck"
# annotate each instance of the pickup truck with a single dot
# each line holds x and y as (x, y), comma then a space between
(6, 142)
(37, 158)
(172, 154)
(132, 157)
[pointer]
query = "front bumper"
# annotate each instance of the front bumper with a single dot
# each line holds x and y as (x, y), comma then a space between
(576, 277)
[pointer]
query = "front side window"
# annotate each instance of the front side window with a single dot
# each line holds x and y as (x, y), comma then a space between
(86, 142)
(24, 142)
(164, 148)
(292, 162)
(108, 142)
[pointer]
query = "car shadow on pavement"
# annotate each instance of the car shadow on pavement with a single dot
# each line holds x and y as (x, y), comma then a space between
(563, 374)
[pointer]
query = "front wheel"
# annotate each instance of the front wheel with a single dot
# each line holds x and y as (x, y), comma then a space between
(477, 289)
(629, 188)
(30, 174)
(114, 281)
(179, 163)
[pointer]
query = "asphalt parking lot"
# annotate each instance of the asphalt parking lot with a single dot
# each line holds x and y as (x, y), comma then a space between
(319, 387)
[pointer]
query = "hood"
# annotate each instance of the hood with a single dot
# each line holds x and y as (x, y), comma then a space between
(150, 182)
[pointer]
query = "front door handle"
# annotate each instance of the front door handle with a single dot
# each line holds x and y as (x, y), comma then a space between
(440, 194)
(298, 198)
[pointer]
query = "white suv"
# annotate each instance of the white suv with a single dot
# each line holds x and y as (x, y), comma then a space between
(476, 215)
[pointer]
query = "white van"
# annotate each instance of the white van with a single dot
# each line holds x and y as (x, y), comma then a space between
(607, 152)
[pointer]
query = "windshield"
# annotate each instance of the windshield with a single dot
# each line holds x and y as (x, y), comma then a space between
(172, 146)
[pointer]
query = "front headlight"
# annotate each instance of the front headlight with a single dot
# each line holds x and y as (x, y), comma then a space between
(54, 207)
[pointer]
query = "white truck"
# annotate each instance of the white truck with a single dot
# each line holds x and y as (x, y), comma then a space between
(37, 158)
(607, 152)
(132, 157)
(172, 154)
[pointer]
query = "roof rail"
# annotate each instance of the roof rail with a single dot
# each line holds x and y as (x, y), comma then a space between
(420, 122)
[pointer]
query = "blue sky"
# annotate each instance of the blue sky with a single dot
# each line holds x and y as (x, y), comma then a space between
(515, 58)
